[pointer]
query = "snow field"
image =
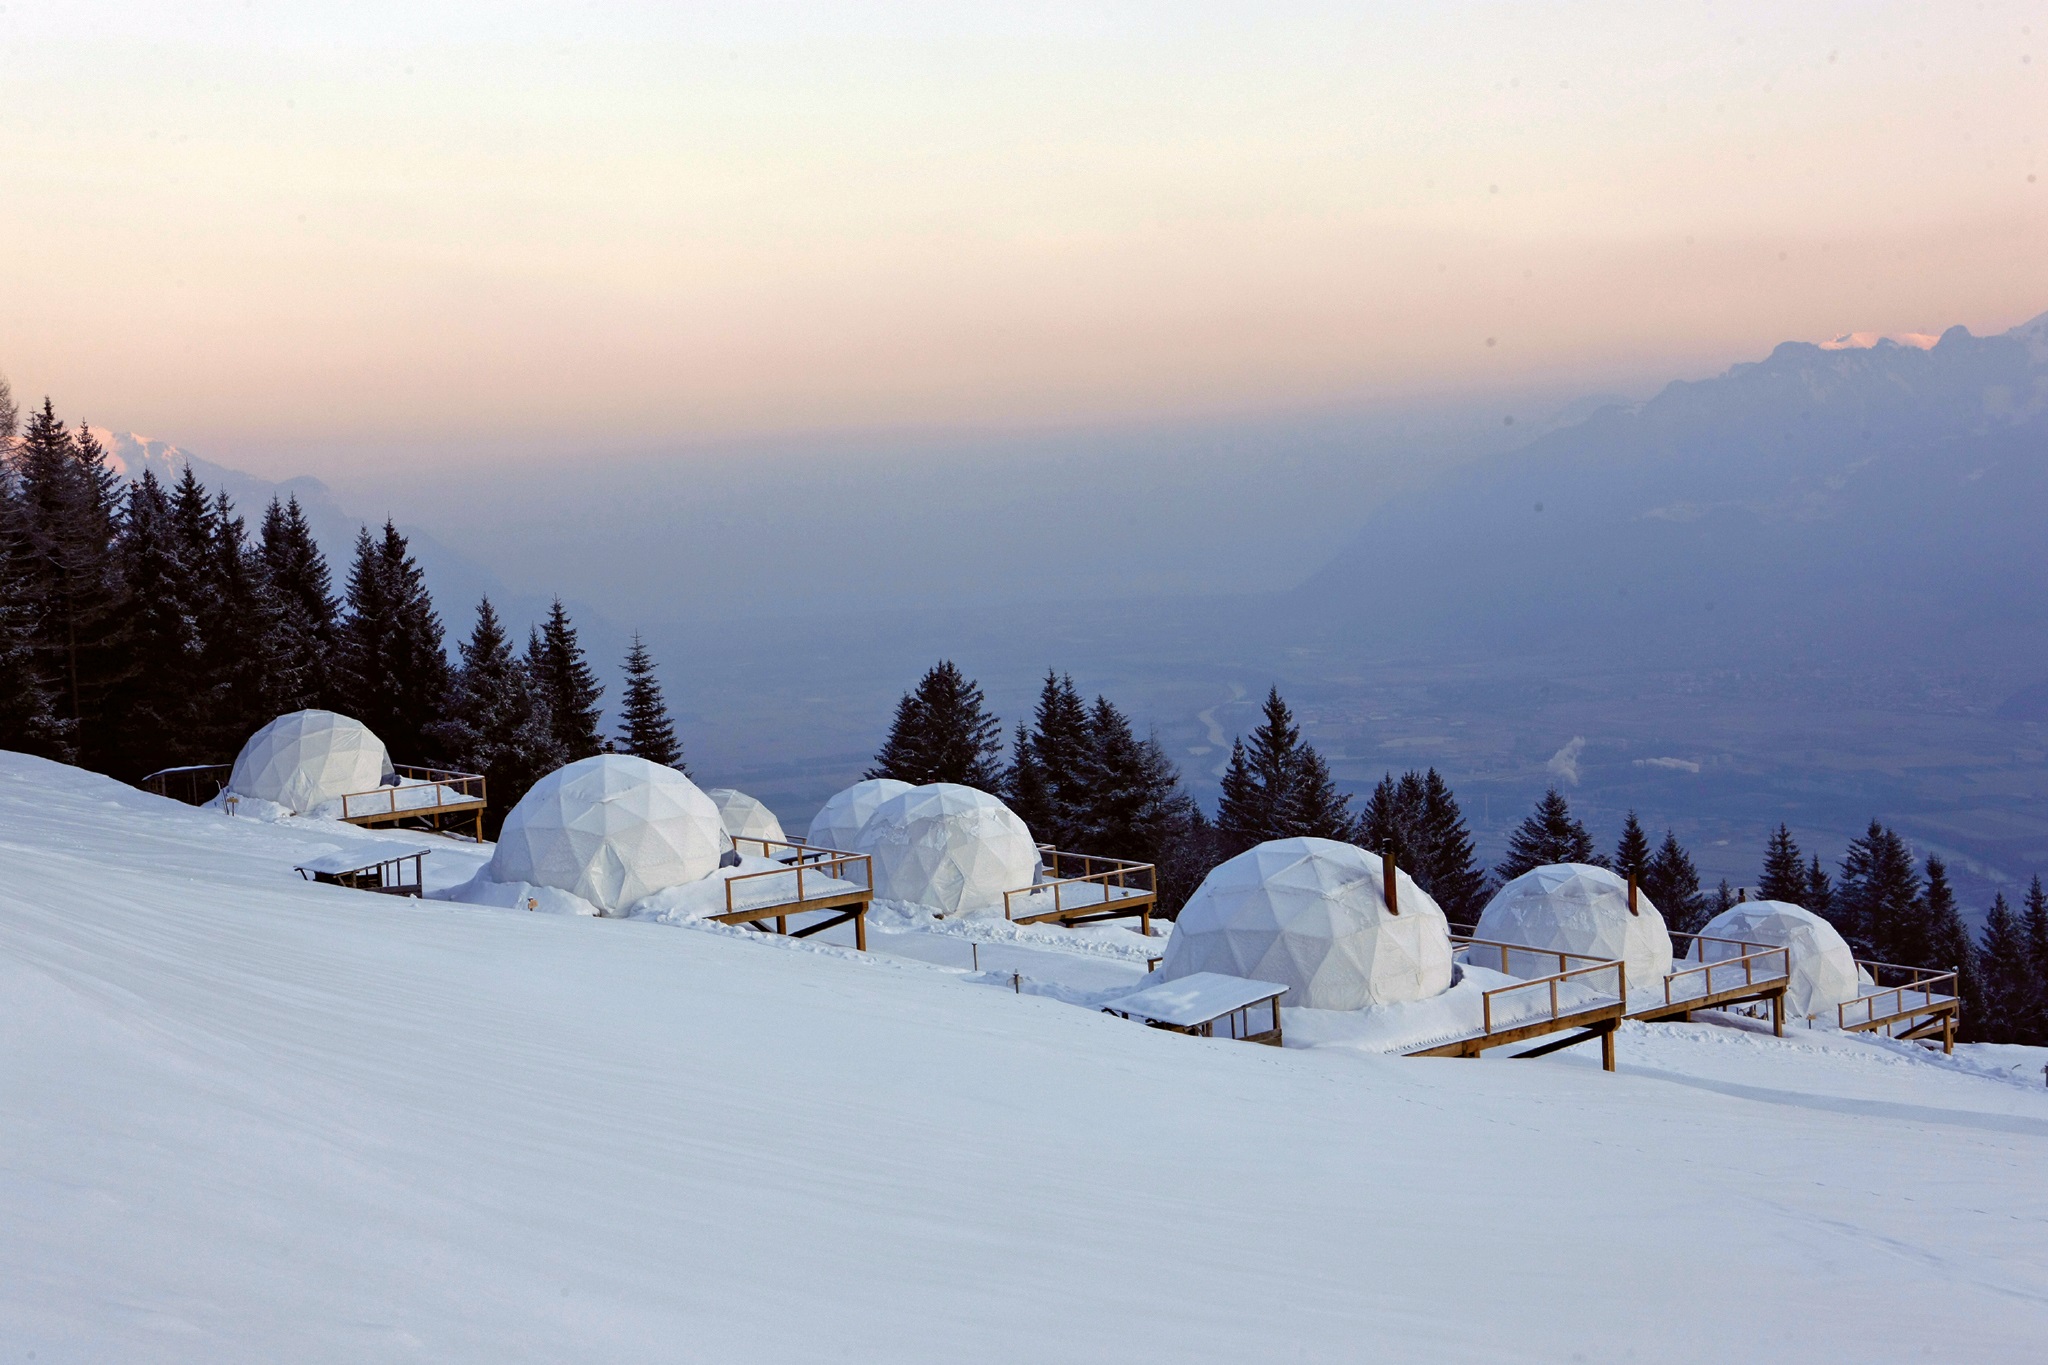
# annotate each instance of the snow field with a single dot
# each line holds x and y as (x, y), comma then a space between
(253, 1118)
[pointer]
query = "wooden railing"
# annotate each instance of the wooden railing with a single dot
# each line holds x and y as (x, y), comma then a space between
(1759, 964)
(1558, 1010)
(389, 802)
(1924, 991)
(1114, 879)
(195, 785)
(797, 859)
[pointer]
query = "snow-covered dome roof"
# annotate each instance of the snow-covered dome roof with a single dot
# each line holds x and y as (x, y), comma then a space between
(838, 824)
(611, 829)
(948, 847)
(1823, 968)
(1311, 914)
(309, 758)
(1577, 908)
(743, 816)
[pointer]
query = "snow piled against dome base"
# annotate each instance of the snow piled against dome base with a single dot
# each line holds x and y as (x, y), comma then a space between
(1312, 915)
(839, 823)
(610, 829)
(1577, 908)
(1823, 969)
(948, 847)
(307, 759)
(744, 817)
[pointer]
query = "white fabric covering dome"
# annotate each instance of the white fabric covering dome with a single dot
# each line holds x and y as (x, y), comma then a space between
(1577, 908)
(1824, 971)
(1311, 914)
(948, 847)
(741, 814)
(309, 758)
(839, 823)
(611, 829)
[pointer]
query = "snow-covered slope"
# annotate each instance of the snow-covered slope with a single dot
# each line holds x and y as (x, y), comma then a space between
(245, 1118)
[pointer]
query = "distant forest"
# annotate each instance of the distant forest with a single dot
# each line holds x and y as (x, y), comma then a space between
(143, 628)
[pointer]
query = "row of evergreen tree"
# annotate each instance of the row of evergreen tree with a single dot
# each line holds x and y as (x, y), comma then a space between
(142, 627)
(1081, 779)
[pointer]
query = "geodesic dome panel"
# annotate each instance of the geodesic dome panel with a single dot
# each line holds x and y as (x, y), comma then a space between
(948, 847)
(839, 823)
(1823, 969)
(308, 758)
(1311, 914)
(742, 815)
(1576, 908)
(610, 829)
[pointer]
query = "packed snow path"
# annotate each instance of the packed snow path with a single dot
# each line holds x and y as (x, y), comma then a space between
(249, 1118)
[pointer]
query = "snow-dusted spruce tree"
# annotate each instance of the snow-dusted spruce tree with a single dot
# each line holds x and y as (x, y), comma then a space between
(496, 721)
(1784, 873)
(1673, 885)
(66, 502)
(1549, 834)
(648, 732)
(2034, 925)
(390, 668)
(1417, 819)
(1632, 850)
(29, 722)
(1878, 906)
(159, 724)
(1048, 783)
(303, 593)
(566, 682)
(943, 732)
(1820, 891)
(1948, 945)
(1277, 787)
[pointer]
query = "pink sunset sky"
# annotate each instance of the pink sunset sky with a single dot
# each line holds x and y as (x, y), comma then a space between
(260, 229)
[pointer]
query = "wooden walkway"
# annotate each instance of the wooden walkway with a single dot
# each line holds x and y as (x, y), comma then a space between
(1741, 974)
(1543, 1006)
(818, 880)
(1083, 888)
(424, 798)
(1919, 1003)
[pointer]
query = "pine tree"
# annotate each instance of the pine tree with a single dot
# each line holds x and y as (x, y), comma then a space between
(495, 721)
(391, 671)
(1784, 873)
(1632, 851)
(2034, 926)
(241, 639)
(1388, 823)
(1132, 802)
(2007, 996)
(567, 684)
(29, 722)
(10, 420)
(1673, 885)
(1548, 835)
(302, 591)
(65, 514)
(1048, 779)
(1878, 907)
(1417, 820)
(1948, 945)
(1820, 892)
(943, 733)
(648, 732)
(160, 724)
(1278, 787)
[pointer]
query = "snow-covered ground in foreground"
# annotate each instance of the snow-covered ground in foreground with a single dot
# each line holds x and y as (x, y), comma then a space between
(243, 1117)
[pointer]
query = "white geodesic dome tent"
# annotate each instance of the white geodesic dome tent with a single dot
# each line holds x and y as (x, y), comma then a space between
(839, 823)
(1311, 915)
(948, 847)
(610, 829)
(1577, 908)
(742, 815)
(1824, 972)
(308, 758)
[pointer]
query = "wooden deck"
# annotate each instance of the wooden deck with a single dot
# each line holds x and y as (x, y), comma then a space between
(825, 881)
(1741, 974)
(1917, 1003)
(425, 798)
(1083, 888)
(1565, 1021)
